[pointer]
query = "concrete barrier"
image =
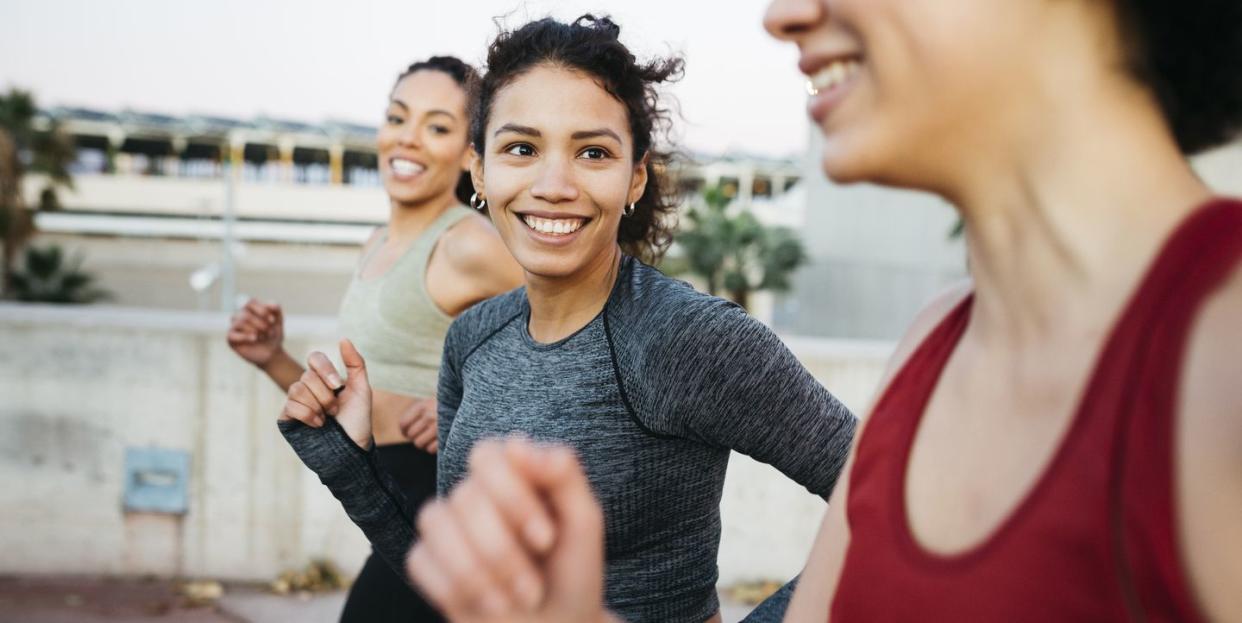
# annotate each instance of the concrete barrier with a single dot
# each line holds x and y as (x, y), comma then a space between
(81, 385)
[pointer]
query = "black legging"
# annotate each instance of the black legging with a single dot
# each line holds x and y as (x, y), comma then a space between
(379, 595)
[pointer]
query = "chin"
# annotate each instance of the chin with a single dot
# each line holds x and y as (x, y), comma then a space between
(847, 161)
(548, 264)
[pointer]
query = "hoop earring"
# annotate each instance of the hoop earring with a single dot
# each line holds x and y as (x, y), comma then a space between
(482, 204)
(628, 210)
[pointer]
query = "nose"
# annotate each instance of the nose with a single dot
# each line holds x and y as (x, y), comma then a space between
(555, 183)
(788, 19)
(410, 136)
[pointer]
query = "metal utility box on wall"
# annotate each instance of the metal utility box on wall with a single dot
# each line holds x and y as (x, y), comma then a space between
(157, 480)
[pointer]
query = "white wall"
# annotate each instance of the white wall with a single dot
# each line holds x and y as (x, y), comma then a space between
(82, 384)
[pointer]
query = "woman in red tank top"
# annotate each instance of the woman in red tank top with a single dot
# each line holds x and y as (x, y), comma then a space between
(1061, 438)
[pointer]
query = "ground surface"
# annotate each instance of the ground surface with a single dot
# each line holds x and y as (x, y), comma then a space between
(89, 600)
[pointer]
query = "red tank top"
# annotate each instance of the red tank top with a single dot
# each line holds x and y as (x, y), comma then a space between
(1095, 539)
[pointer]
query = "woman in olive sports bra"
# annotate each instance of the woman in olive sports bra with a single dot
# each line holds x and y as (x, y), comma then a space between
(432, 260)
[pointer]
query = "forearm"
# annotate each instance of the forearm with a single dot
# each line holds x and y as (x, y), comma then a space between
(283, 370)
(368, 493)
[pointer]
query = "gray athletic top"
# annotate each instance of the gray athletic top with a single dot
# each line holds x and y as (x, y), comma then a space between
(652, 394)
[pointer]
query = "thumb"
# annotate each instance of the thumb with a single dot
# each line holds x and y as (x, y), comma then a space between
(355, 365)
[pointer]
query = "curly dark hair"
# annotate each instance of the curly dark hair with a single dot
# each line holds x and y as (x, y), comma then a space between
(466, 76)
(591, 45)
(1190, 55)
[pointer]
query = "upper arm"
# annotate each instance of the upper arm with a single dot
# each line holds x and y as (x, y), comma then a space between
(1208, 456)
(813, 599)
(724, 378)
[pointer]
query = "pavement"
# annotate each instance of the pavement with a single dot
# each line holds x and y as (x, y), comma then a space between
(95, 600)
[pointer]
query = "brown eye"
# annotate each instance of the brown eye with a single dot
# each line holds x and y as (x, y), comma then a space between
(520, 149)
(594, 153)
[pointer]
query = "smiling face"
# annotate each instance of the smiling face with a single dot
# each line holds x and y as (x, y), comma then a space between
(422, 143)
(905, 90)
(557, 171)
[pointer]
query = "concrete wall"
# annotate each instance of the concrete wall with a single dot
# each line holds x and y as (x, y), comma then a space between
(878, 255)
(80, 385)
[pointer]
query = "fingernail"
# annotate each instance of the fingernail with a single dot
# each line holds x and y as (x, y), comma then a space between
(335, 380)
(538, 533)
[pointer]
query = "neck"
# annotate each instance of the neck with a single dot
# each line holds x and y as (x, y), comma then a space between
(561, 305)
(409, 220)
(1061, 227)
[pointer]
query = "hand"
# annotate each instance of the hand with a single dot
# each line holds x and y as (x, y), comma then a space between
(418, 424)
(257, 331)
(320, 393)
(521, 539)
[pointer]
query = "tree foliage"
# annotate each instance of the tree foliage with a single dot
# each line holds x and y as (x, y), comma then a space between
(734, 253)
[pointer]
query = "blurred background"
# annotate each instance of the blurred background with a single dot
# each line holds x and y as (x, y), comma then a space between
(175, 159)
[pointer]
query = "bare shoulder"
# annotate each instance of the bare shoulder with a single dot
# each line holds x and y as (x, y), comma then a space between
(474, 249)
(926, 321)
(1209, 454)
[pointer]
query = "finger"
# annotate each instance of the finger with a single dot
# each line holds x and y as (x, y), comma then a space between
(497, 545)
(416, 428)
(578, 567)
(295, 409)
(564, 484)
(425, 573)
(322, 366)
(355, 365)
(259, 309)
(238, 337)
(434, 448)
(323, 397)
(518, 500)
(249, 323)
(276, 315)
(424, 440)
(455, 560)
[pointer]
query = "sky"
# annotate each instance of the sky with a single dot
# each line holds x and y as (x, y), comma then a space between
(314, 60)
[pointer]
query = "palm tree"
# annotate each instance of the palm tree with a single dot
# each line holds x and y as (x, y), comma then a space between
(23, 147)
(49, 278)
(735, 253)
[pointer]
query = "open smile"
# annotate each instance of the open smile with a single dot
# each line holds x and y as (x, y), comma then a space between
(552, 228)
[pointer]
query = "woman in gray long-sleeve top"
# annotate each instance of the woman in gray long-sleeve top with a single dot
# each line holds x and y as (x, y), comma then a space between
(651, 382)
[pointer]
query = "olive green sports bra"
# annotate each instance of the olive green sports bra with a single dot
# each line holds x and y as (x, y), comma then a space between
(392, 320)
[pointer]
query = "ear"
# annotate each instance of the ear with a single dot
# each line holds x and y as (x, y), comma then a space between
(475, 166)
(467, 159)
(638, 182)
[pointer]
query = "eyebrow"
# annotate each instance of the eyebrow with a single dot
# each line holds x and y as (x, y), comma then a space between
(436, 111)
(596, 134)
(529, 131)
(517, 129)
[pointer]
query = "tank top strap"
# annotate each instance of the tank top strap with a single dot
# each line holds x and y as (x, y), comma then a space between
(420, 251)
(1197, 260)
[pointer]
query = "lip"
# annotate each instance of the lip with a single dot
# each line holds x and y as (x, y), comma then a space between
(553, 240)
(812, 62)
(821, 104)
(400, 177)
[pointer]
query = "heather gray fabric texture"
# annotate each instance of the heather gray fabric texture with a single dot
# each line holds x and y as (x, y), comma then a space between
(652, 394)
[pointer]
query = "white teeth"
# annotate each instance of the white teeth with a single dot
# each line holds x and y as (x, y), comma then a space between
(401, 166)
(558, 226)
(832, 75)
